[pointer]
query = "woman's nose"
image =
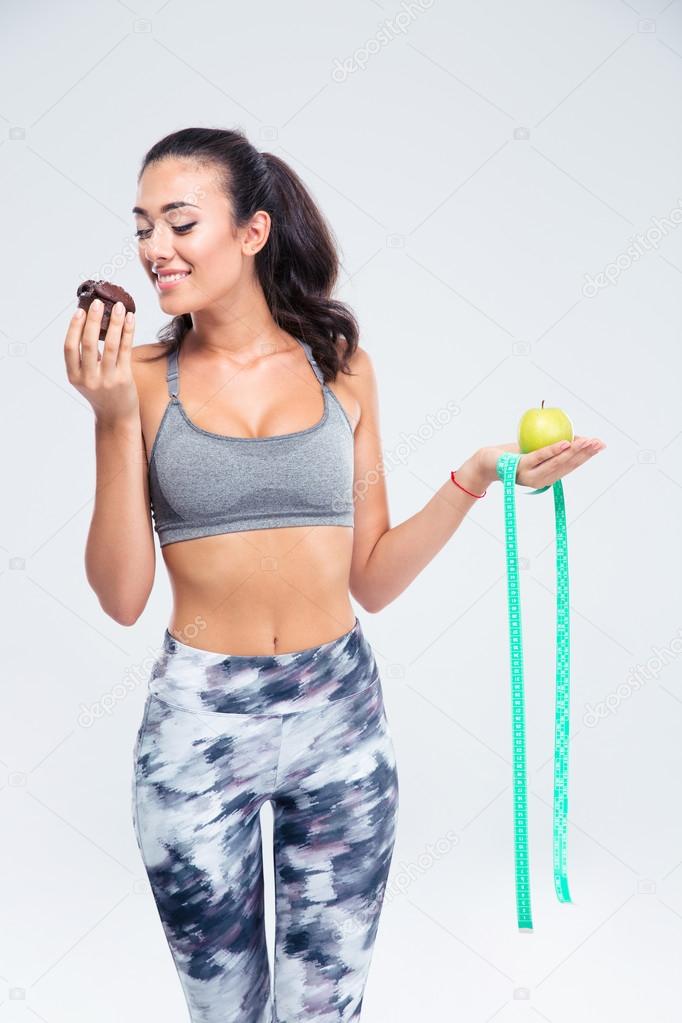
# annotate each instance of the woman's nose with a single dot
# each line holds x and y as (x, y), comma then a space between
(157, 245)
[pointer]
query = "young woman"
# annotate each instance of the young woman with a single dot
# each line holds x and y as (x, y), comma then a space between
(248, 437)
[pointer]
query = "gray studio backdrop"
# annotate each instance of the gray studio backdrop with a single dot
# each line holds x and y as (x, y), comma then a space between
(504, 183)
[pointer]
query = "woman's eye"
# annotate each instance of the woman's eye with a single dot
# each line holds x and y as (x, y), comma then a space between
(145, 232)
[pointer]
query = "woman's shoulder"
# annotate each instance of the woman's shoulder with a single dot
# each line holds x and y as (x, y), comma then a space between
(351, 386)
(143, 354)
(359, 362)
(149, 361)
(358, 359)
(148, 365)
(362, 382)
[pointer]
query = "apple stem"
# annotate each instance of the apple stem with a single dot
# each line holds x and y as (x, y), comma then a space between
(543, 403)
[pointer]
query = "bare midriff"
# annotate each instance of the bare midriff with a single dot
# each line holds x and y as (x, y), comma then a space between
(264, 591)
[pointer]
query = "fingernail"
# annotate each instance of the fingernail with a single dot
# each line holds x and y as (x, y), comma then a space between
(79, 314)
(565, 445)
(130, 317)
(97, 304)
(118, 308)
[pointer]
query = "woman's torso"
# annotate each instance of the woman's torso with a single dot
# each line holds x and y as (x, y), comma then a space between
(251, 591)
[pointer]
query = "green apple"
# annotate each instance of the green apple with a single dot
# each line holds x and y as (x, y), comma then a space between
(542, 426)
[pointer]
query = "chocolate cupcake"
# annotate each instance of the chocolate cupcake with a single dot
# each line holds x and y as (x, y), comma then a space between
(109, 294)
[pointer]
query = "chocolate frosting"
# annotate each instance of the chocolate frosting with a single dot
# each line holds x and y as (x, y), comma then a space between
(109, 294)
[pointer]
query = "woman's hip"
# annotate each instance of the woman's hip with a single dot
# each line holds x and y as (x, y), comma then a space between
(194, 679)
(217, 729)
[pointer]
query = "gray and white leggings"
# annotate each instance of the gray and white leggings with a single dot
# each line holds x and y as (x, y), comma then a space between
(220, 735)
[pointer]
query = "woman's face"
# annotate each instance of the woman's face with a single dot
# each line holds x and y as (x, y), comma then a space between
(195, 236)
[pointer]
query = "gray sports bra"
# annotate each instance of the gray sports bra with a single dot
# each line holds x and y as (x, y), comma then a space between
(203, 483)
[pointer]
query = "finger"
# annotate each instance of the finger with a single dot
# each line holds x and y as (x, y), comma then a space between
(586, 448)
(72, 355)
(550, 451)
(126, 346)
(90, 338)
(579, 457)
(589, 445)
(113, 336)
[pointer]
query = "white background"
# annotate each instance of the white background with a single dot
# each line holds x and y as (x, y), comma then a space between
(476, 162)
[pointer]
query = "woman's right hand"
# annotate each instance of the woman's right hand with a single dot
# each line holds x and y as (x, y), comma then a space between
(106, 380)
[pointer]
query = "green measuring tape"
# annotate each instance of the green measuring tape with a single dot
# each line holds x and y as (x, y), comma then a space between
(506, 470)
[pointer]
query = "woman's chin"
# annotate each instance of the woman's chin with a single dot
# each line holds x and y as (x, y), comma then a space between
(168, 301)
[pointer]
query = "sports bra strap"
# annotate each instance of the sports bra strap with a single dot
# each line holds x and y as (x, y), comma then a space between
(311, 359)
(172, 373)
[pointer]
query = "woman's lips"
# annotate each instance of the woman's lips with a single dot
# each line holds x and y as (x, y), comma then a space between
(164, 284)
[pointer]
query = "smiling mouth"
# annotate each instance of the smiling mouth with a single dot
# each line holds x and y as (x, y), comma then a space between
(164, 281)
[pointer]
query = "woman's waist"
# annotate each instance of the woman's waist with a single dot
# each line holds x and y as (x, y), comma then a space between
(201, 678)
(246, 620)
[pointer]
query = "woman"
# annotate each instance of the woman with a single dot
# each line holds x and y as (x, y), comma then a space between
(247, 438)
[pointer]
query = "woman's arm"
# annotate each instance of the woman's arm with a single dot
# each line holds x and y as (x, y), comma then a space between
(119, 556)
(402, 552)
(120, 559)
(386, 559)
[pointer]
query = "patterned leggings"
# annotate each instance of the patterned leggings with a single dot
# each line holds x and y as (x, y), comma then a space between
(220, 735)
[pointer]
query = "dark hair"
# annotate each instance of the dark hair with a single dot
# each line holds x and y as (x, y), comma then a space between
(298, 265)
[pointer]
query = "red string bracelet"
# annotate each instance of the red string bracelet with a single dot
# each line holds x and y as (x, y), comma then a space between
(452, 477)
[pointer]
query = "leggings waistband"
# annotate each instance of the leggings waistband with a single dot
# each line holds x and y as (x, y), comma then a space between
(202, 680)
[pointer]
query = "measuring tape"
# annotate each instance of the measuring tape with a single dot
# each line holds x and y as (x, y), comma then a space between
(506, 470)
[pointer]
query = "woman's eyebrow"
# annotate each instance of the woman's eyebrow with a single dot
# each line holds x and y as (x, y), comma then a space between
(166, 208)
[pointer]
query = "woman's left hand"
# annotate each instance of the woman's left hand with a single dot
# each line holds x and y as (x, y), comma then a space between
(543, 467)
